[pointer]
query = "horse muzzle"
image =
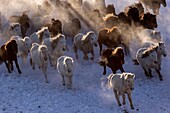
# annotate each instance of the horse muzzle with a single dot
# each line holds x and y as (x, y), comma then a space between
(164, 55)
(64, 49)
(132, 88)
(95, 44)
(45, 58)
(155, 62)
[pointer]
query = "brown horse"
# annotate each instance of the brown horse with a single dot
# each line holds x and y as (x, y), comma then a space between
(114, 59)
(55, 27)
(8, 54)
(109, 37)
(148, 21)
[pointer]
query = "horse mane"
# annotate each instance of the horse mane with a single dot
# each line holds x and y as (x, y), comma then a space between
(117, 51)
(149, 50)
(108, 16)
(87, 36)
(56, 39)
(13, 25)
(41, 32)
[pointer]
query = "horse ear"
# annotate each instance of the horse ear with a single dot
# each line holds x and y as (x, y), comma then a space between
(128, 75)
(161, 43)
(52, 20)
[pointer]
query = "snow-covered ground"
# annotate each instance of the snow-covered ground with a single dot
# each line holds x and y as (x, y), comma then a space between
(28, 92)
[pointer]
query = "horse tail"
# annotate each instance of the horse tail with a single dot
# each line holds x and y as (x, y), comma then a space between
(135, 62)
(102, 62)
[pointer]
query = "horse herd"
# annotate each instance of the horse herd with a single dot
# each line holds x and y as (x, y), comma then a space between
(116, 31)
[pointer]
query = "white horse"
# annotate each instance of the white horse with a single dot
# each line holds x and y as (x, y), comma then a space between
(39, 56)
(161, 50)
(85, 42)
(56, 47)
(148, 58)
(24, 46)
(122, 84)
(65, 66)
(151, 35)
(12, 29)
(39, 36)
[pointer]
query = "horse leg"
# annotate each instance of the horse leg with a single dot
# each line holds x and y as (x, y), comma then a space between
(117, 97)
(75, 50)
(104, 71)
(85, 56)
(69, 82)
(44, 68)
(16, 63)
(7, 66)
(145, 71)
(121, 69)
(150, 73)
(92, 52)
(130, 100)
(100, 45)
(159, 74)
(50, 59)
(124, 101)
(10, 64)
(32, 64)
(63, 80)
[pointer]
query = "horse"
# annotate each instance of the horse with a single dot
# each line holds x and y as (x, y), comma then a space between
(23, 20)
(154, 5)
(110, 20)
(11, 29)
(39, 56)
(114, 59)
(65, 66)
(39, 36)
(122, 84)
(161, 50)
(56, 48)
(109, 37)
(55, 27)
(148, 58)
(24, 46)
(85, 42)
(8, 54)
(110, 9)
(148, 21)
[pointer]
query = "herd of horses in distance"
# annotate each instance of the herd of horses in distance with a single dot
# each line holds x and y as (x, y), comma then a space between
(87, 24)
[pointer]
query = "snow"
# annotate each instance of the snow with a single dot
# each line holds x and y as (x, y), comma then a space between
(28, 92)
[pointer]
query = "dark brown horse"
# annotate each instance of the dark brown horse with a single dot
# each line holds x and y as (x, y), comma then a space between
(55, 27)
(114, 59)
(8, 54)
(148, 21)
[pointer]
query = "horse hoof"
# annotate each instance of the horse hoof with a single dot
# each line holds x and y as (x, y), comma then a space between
(64, 84)
(161, 79)
(92, 58)
(132, 108)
